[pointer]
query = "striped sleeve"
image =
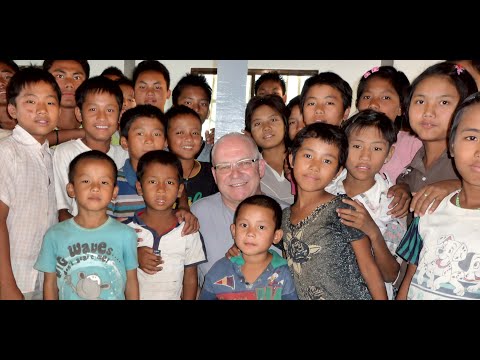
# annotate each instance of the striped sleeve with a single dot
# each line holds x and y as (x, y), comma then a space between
(411, 245)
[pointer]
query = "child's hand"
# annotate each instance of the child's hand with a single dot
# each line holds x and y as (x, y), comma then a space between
(358, 217)
(210, 136)
(148, 261)
(432, 195)
(233, 251)
(401, 200)
(191, 222)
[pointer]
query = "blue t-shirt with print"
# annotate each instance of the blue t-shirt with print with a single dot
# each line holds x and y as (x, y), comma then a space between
(90, 263)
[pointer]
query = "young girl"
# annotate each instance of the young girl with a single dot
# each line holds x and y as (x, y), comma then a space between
(184, 138)
(442, 248)
(433, 97)
(266, 120)
(328, 259)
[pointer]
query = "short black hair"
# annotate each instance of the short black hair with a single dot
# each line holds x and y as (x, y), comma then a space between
(178, 110)
(272, 76)
(91, 155)
(146, 110)
(330, 134)
(47, 64)
(265, 202)
(371, 118)
(197, 80)
(30, 75)
(151, 65)
(161, 157)
(98, 85)
(10, 63)
(112, 70)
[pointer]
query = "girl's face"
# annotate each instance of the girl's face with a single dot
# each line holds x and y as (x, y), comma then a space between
(466, 146)
(295, 122)
(267, 127)
(323, 103)
(380, 95)
(433, 102)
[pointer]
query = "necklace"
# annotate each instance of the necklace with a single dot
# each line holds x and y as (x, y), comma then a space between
(457, 200)
(191, 170)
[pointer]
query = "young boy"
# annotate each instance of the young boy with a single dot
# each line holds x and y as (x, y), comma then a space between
(326, 98)
(160, 184)
(152, 83)
(370, 138)
(257, 273)
(271, 83)
(91, 256)
(184, 138)
(193, 91)
(329, 260)
(128, 102)
(99, 101)
(27, 196)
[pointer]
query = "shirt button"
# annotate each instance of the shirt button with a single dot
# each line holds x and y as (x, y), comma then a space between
(424, 178)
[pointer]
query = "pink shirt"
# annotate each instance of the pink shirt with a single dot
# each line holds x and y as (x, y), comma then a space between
(405, 149)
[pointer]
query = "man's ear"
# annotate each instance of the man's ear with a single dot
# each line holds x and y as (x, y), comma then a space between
(277, 236)
(169, 93)
(261, 168)
(346, 113)
(124, 143)
(390, 154)
(115, 192)
(139, 188)
(78, 114)
(70, 190)
(12, 111)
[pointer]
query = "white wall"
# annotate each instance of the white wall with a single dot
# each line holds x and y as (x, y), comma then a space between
(413, 68)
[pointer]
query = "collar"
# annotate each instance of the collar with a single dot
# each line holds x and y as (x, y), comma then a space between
(276, 262)
(22, 136)
(417, 161)
(129, 173)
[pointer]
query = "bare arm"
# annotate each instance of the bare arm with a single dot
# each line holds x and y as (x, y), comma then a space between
(50, 288)
(148, 261)
(64, 136)
(8, 286)
(360, 219)
(190, 283)
(432, 194)
(131, 288)
(369, 269)
(63, 215)
(403, 291)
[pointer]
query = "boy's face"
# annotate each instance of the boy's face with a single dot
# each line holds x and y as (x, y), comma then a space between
(267, 127)
(145, 134)
(160, 186)
(271, 87)
(6, 73)
(380, 95)
(195, 98)
(128, 98)
(37, 109)
(69, 75)
(323, 103)
(254, 230)
(151, 88)
(295, 122)
(184, 136)
(368, 151)
(433, 103)
(316, 164)
(99, 116)
(93, 185)
(466, 146)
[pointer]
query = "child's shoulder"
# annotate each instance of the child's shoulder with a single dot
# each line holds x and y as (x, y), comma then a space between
(72, 146)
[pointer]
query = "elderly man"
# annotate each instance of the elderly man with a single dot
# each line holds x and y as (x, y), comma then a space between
(237, 169)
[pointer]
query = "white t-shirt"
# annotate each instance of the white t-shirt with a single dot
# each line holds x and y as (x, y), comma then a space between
(276, 186)
(63, 155)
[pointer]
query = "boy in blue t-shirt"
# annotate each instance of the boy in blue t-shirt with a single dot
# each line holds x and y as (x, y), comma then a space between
(257, 273)
(90, 256)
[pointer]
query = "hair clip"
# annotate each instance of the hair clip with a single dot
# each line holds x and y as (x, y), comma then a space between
(459, 69)
(370, 72)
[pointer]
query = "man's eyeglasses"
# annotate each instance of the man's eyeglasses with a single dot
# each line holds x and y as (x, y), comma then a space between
(240, 165)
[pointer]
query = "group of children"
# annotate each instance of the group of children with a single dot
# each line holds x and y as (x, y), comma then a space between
(349, 181)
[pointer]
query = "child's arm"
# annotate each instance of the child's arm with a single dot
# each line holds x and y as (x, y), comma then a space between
(50, 288)
(190, 283)
(63, 215)
(60, 136)
(433, 194)
(369, 269)
(192, 224)
(360, 219)
(131, 288)
(403, 290)
(401, 200)
(8, 286)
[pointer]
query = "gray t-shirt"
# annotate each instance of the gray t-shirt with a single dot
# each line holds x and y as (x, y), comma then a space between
(321, 257)
(215, 219)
